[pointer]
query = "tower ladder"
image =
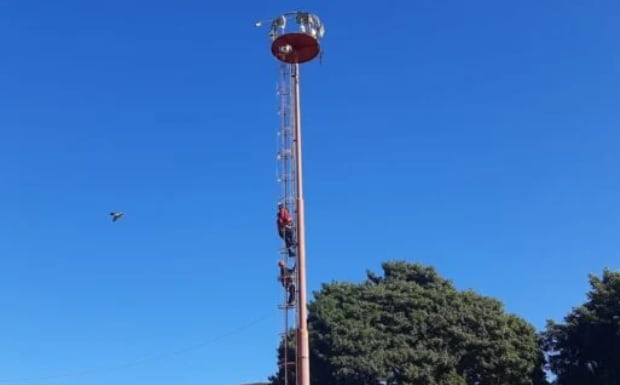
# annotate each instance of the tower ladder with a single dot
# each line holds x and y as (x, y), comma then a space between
(286, 176)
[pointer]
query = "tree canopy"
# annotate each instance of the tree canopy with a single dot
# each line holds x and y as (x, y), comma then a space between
(585, 349)
(410, 326)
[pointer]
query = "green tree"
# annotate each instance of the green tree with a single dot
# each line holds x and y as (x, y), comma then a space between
(585, 349)
(410, 327)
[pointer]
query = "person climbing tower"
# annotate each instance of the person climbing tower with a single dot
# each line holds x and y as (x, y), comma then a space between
(286, 278)
(285, 228)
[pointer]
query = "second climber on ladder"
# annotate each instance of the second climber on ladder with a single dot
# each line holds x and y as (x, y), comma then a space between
(286, 278)
(285, 229)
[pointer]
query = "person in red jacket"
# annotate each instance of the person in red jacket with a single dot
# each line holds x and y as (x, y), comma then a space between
(285, 228)
(286, 278)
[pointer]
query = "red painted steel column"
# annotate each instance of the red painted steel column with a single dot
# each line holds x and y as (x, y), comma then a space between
(303, 359)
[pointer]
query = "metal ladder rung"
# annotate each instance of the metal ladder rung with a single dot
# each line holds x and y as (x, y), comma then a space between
(280, 278)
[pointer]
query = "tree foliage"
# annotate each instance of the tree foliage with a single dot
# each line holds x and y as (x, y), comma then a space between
(585, 349)
(409, 327)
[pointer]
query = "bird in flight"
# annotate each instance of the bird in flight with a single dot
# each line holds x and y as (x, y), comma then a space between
(116, 215)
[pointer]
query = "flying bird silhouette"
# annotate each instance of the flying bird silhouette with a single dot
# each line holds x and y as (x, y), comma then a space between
(116, 216)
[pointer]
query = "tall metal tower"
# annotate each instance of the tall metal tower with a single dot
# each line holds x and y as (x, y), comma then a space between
(295, 39)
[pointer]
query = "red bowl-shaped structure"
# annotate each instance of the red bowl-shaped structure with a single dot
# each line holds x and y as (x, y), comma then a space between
(295, 47)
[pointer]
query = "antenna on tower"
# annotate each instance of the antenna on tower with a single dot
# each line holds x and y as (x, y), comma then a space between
(297, 44)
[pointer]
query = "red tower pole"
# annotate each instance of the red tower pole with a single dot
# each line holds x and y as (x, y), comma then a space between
(303, 354)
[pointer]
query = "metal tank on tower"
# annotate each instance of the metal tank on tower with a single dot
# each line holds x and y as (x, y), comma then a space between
(295, 39)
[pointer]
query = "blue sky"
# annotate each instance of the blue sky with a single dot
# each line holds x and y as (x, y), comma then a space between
(477, 137)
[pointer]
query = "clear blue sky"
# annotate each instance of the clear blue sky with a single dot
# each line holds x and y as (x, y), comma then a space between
(478, 137)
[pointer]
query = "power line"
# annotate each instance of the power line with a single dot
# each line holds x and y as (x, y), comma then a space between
(155, 357)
